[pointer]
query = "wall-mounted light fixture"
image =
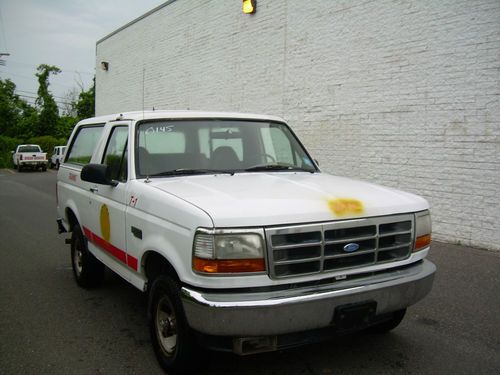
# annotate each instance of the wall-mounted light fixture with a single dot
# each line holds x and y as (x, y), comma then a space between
(105, 65)
(249, 6)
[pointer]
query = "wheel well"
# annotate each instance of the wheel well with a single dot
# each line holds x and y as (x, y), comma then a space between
(155, 265)
(72, 220)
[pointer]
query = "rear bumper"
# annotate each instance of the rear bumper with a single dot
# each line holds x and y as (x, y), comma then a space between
(33, 163)
(303, 309)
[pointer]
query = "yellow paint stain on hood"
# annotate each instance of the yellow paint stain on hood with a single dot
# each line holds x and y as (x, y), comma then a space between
(345, 206)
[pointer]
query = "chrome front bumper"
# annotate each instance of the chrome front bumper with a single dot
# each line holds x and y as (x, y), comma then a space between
(302, 309)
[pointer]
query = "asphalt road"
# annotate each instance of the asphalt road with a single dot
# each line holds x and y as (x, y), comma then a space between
(50, 326)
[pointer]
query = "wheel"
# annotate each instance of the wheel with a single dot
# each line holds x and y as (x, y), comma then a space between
(172, 338)
(19, 168)
(44, 169)
(390, 324)
(88, 271)
(57, 164)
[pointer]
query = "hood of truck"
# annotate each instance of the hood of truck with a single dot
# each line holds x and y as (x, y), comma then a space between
(264, 199)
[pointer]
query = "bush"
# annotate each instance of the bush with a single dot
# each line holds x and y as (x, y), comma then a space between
(7, 145)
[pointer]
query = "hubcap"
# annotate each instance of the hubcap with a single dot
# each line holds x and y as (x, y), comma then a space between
(166, 326)
(78, 259)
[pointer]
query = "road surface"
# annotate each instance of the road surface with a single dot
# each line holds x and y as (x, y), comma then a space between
(48, 325)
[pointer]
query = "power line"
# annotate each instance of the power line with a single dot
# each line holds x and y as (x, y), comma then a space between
(31, 78)
(35, 93)
(63, 70)
(35, 98)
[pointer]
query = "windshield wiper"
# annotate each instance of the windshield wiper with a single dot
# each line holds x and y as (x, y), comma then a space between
(187, 172)
(277, 167)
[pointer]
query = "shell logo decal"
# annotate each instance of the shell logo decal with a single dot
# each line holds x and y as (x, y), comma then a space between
(105, 223)
(345, 206)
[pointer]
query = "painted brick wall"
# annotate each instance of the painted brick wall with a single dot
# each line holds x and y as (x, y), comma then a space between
(402, 93)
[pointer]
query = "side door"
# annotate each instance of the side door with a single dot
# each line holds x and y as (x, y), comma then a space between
(107, 206)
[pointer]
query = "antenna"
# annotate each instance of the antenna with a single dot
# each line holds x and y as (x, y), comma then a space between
(143, 90)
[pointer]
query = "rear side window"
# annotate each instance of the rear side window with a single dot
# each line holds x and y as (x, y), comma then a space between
(84, 144)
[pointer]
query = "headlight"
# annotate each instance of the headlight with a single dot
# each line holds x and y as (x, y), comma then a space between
(423, 230)
(228, 251)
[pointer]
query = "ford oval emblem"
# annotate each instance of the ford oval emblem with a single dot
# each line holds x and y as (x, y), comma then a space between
(351, 247)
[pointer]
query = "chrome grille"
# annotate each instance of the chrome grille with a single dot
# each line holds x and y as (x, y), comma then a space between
(317, 248)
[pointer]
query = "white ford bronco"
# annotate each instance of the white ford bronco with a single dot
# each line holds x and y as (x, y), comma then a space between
(239, 239)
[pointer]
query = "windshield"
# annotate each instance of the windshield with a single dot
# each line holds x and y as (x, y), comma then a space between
(173, 147)
(29, 149)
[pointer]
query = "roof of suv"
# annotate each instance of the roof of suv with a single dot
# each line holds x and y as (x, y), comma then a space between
(149, 115)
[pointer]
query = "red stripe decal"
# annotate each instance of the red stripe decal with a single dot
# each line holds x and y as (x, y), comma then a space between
(109, 248)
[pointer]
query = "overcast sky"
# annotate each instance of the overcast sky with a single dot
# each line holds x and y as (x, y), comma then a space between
(62, 33)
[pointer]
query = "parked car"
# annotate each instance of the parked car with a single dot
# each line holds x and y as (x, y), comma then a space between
(29, 157)
(242, 243)
(57, 156)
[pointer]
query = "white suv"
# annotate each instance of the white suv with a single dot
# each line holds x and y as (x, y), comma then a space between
(239, 239)
(57, 156)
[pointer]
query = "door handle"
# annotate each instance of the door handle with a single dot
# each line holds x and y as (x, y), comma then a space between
(94, 189)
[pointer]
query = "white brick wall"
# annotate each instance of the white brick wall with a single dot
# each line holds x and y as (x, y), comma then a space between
(402, 93)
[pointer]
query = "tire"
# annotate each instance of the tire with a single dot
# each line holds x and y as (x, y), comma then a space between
(388, 325)
(172, 338)
(19, 168)
(87, 270)
(57, 164)
(44, 169)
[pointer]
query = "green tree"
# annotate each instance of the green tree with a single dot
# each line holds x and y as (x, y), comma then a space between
(9, 111)
(85, 106)
(17, 118)
(49, 113)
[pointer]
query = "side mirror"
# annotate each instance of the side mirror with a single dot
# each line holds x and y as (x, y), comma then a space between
(12, 152)
(98, 174)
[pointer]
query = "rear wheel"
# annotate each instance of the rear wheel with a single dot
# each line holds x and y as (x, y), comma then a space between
(388, 325)
(88, 271)
(171, 335)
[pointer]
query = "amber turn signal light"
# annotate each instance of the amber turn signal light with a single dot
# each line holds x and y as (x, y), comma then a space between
(422, 241)
(228, 265)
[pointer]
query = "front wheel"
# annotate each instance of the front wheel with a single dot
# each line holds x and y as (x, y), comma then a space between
(171, 335)
(88, 271)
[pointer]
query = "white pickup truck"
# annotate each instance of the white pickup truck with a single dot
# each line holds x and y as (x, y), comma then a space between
(239, 239)
(29, 156)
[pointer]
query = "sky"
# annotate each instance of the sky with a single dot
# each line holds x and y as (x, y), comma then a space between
(61, 33)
